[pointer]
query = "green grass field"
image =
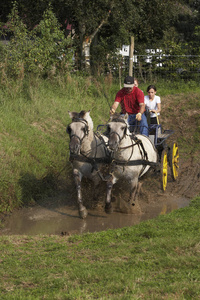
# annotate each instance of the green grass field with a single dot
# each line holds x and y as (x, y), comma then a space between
(157, 259)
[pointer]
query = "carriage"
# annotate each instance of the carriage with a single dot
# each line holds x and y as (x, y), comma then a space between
(168, 154)
(128, 154)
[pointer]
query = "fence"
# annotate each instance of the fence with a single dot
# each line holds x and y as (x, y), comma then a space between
(153, 67)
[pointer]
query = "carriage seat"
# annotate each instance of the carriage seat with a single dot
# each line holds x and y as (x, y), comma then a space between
(152, 138)
(163, 135)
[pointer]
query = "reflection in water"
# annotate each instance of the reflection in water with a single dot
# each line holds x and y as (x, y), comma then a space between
(63, 219)
(166, 209)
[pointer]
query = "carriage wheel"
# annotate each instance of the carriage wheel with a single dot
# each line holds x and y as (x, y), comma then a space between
(174, 160)
(163, 167)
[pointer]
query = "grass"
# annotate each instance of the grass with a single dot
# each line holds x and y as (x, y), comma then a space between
(157, 259)
(165, 88)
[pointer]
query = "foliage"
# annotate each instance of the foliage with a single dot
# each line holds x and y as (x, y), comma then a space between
(152, 23)
(43, 50)
(130, 18)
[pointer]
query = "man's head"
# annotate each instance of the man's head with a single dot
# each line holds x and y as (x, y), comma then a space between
(129, 83)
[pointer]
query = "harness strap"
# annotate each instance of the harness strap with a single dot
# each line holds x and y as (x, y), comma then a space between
(136, 163)
(144, 161)
(143, 155)
(107, 152)
(92, 161)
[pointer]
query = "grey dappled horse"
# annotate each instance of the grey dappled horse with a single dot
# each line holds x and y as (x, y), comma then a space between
(88, 153)
(132, 156)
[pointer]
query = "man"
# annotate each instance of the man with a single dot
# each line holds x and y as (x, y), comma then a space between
(131, 99)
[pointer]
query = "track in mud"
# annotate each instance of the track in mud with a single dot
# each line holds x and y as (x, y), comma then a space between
(59, 214)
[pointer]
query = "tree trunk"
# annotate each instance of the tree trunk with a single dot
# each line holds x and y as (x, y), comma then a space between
(86, 44)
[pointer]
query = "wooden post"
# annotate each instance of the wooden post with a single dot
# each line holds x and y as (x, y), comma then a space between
(120, 74)
(131, 56)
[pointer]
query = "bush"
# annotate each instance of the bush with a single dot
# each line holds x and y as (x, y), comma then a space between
(44, 50)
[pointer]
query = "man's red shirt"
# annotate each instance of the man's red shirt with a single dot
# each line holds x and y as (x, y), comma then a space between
(130, 102)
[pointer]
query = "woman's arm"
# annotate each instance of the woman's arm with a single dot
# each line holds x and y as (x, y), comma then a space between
(158, 108)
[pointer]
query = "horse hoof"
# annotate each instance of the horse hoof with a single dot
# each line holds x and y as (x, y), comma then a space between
(83, 213)
(108, 208)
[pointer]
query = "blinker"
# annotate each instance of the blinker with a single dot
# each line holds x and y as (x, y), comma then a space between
(68, 129)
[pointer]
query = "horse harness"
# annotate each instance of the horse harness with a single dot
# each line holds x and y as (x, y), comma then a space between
(94, 161)
(144, 156)
(134, 142)
(107, 159)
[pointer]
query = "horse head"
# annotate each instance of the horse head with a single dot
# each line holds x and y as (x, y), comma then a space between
(117, 130)
(78, 129)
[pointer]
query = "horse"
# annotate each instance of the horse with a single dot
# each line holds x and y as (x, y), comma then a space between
(132, 157)
(88, 153)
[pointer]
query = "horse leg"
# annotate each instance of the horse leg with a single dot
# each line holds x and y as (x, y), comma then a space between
(96, 192)
(133, 200)
(81, 208)
(135, 187)
(108, 206)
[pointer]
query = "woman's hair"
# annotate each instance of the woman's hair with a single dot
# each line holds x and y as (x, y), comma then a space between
(151, 87)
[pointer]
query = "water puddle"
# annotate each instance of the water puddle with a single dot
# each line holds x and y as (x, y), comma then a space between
(64, 219)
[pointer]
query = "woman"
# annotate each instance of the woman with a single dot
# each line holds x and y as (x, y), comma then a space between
(153, 104)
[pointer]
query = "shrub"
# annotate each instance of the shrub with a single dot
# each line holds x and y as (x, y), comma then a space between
(44, 50)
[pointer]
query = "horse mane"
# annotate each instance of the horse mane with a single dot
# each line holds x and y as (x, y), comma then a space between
(118, 117)
(86, 116)
(82, 115)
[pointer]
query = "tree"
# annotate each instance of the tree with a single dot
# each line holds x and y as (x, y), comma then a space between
(102, 26)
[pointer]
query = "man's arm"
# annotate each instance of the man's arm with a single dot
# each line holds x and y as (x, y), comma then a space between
(142, 109)
(113, 108)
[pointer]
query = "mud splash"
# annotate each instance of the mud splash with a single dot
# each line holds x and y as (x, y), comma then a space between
(65, 220)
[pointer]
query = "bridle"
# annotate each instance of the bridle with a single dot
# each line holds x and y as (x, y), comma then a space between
(86, 131)
(84, 157)
(115, 132)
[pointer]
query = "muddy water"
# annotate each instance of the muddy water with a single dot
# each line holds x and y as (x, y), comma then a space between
(64, 219)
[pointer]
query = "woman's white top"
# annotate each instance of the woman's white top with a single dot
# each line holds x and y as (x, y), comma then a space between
(152, 104)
